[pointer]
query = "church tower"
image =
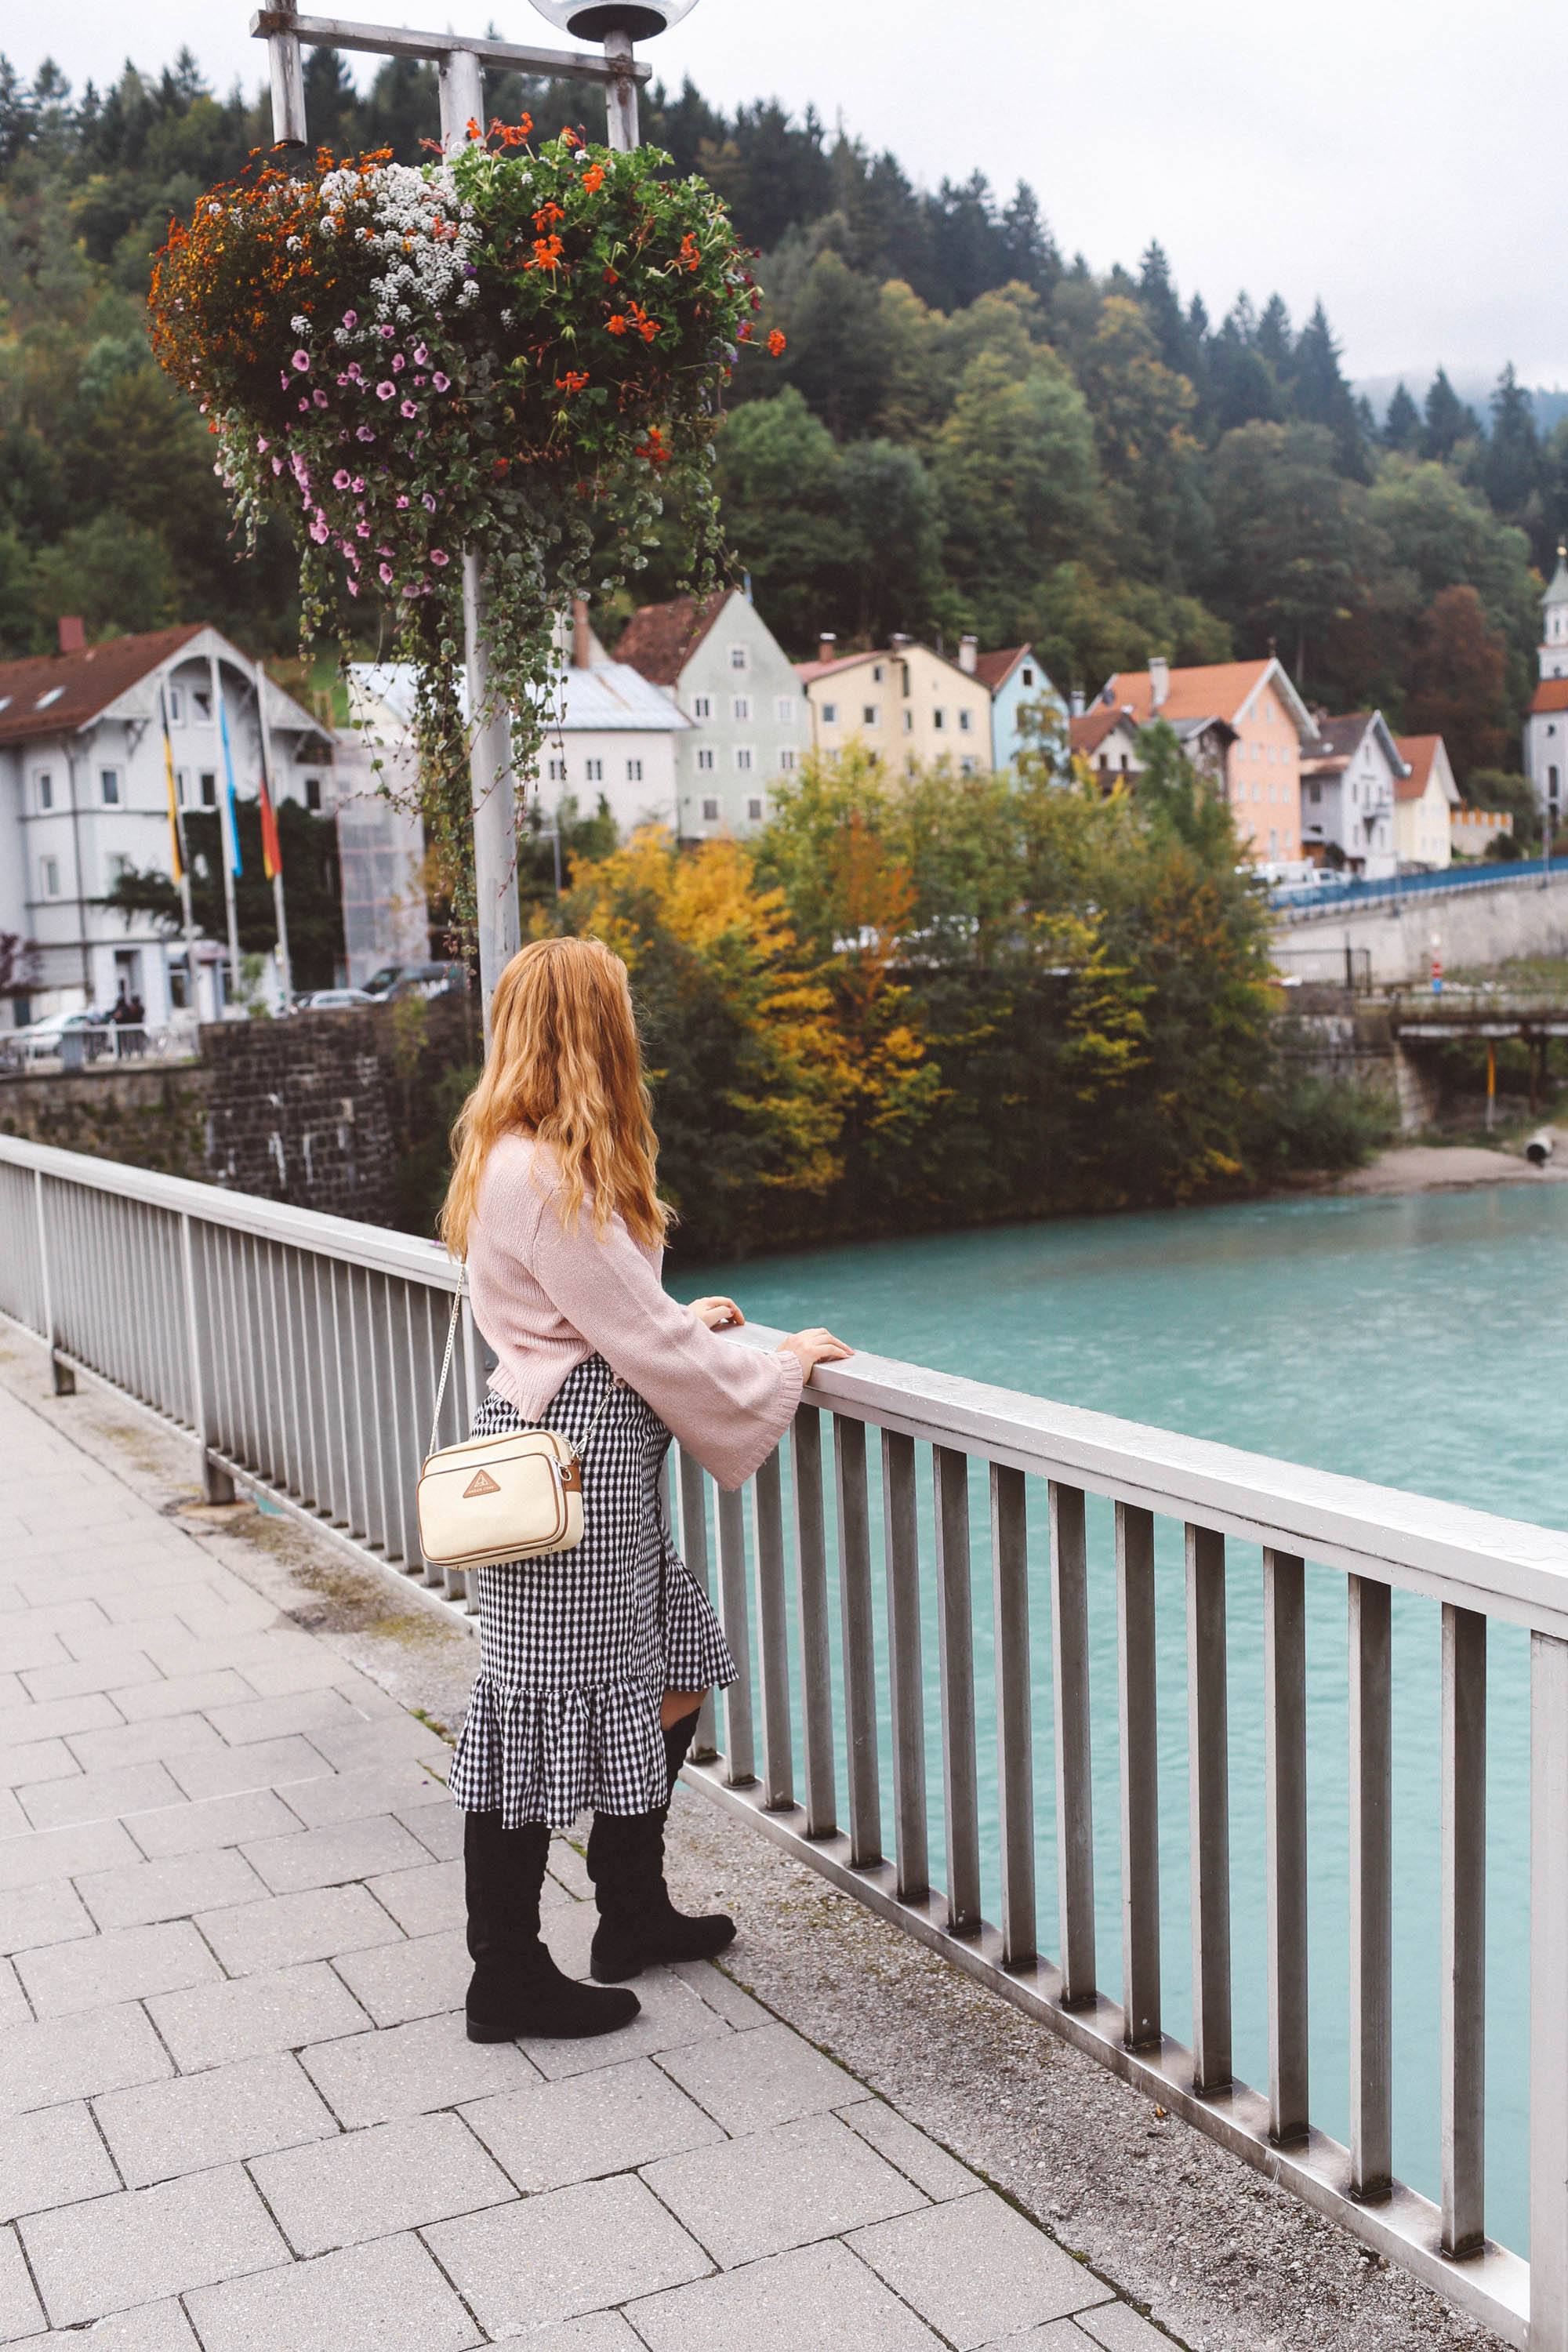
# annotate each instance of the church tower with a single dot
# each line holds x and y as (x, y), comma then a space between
(1546, 723)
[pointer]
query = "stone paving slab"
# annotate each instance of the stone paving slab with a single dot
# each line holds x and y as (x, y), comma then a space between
(242, 2113)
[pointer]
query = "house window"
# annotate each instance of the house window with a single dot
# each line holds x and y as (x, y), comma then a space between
(754, 811)
(1028, 675)
(182, 786)
(786, 762)
(705, 762)
(737, 658)
(119, 866)
(53, 694)
(876, 672)
(201, 704)
(175, 703)
(742, 759)
(786, 710)
(558, 771)
(313, 794)
(909, 722)
(1314, 793)
(939, 719)
(209, 788)
(108, 785)
(46, 786)
(49, 876)
(870, 714)
(593, 770)
(966, 767)
(741, 706)
(710, 812)
(702, 706)
(634, 771)
(830, 714)
(966, 722)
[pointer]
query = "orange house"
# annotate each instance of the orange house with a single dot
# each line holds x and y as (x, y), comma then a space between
(1273, 727)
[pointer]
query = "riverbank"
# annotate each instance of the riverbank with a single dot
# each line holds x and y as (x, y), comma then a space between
(1443, 1168)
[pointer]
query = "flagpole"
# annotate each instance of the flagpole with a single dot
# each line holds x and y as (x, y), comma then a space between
(228, 833)
(182, 862)
(268, 779)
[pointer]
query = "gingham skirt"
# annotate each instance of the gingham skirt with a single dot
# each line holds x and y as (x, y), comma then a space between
(577, 1648)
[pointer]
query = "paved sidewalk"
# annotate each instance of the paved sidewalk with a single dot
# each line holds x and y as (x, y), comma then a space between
(237, 2109)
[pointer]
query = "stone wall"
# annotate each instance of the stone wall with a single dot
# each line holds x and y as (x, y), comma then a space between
(1474, 927)
(344, 1112)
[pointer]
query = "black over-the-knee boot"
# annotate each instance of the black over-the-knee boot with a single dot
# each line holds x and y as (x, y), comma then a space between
(516, 1986)
(638, 1924)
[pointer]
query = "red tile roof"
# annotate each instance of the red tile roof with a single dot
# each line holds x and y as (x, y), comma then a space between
(1552, 694)
(660, 639)
(1216, 690)
(1086, 734)
(87, 682)
(1418, 752)
(993, 669)
(809, 672)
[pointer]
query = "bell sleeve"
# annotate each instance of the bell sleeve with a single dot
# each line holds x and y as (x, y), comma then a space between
(728, 1405)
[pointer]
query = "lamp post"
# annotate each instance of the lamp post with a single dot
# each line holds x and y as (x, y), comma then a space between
(462, 60)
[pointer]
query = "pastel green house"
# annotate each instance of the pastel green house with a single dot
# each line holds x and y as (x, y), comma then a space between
(722, 667)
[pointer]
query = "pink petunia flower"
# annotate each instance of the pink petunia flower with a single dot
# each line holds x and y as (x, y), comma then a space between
(407, 408)
(427, 503)
(402, 502)
(341, 478)
(305, 405)
(385, 333)
(363, 433)
(361, 530)
(320, 398)
(398, 363)
(350, 318)
(301, 360)
(261, 442)
(385, 570)
(358, 486)
(438, 555)
(441, 382)
(352, 587)
(277, 464)
(421, 356)
(386, 391)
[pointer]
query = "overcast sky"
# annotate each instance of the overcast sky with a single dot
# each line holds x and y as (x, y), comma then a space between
(1400, 158)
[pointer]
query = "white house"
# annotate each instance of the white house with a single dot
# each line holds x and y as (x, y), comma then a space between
(1546, 723)
(84, 797)
(1424, 799)
(748, 724)
(1348, 780)
(610, 736)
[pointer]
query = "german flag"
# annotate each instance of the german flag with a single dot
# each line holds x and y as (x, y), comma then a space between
(271, 850)
(176, 860)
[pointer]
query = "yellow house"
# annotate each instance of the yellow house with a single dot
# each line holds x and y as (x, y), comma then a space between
(1424, 802)
(907, 704)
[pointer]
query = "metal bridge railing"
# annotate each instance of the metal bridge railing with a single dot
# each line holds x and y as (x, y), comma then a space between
(300, 1351)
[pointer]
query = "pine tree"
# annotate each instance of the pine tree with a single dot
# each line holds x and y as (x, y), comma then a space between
(1448, 421)
(1029, 247)
(1276, 338)
(1162, 306)
(1319, 394)
(1510, 467)
(1401, 423)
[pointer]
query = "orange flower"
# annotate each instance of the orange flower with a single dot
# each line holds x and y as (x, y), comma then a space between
(612, 277)
(546, 253)
(618, 324)
(472, 128)
(573, 381)
(593, 179)
(689, 253)
(777, 340)
(653, 448)
(547, 215)
(570, 138)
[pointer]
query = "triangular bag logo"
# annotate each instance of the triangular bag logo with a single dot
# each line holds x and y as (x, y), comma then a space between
(482, 1483)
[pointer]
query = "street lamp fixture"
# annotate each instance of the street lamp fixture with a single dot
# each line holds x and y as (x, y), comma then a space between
(595, 20)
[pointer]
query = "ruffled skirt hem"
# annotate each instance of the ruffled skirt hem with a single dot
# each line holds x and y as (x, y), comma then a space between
(550, 1755)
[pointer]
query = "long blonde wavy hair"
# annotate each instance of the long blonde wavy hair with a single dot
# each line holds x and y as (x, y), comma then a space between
(564, 1065)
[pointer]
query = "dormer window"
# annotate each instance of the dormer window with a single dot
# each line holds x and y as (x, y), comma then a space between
(53, 694)
(737, 658)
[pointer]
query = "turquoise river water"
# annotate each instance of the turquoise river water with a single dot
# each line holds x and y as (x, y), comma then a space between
(1420, 1343)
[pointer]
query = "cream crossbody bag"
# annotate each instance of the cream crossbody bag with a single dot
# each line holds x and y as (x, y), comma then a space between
(492, 1499)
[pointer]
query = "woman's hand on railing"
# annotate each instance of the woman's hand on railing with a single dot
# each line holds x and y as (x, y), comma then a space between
(719, 1314)
(813, 1347)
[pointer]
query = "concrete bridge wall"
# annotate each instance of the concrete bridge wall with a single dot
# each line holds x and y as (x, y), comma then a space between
(1476, 924)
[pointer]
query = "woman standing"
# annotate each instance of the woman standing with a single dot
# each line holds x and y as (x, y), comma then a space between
(593, 1661)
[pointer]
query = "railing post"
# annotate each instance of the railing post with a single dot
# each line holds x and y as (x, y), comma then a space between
(1372, 1891)
(811, 1599)
(63, 1377)
(1548, 1994)
(694, 1551)
(1285, 1735)
(859, 1641)
(773, 1634)
(1015, 1718)
(906, 1674)
(739, 1763)
(217, 1485)
(955, 1652)
(1075, 1783)
(1138, 1709)
(1464, 2026)
(1208, 1797)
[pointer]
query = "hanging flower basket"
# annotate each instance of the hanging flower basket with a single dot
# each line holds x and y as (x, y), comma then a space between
(507, 353)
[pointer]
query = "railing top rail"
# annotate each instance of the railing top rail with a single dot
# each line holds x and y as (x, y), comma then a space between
(278, 1221)
(1506, 1568)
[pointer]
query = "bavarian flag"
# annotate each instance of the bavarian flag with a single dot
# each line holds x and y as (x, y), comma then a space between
(176, 862)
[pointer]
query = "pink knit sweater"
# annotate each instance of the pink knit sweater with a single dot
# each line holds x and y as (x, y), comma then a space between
(546, 1299)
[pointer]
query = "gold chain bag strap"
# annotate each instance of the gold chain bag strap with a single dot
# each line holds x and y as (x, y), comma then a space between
(492, 1499)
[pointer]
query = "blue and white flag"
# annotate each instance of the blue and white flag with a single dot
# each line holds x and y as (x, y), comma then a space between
(230, 814)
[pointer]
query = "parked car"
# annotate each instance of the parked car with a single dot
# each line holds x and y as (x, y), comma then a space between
(44, 1040)
(330, 1000)
(427, 979)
